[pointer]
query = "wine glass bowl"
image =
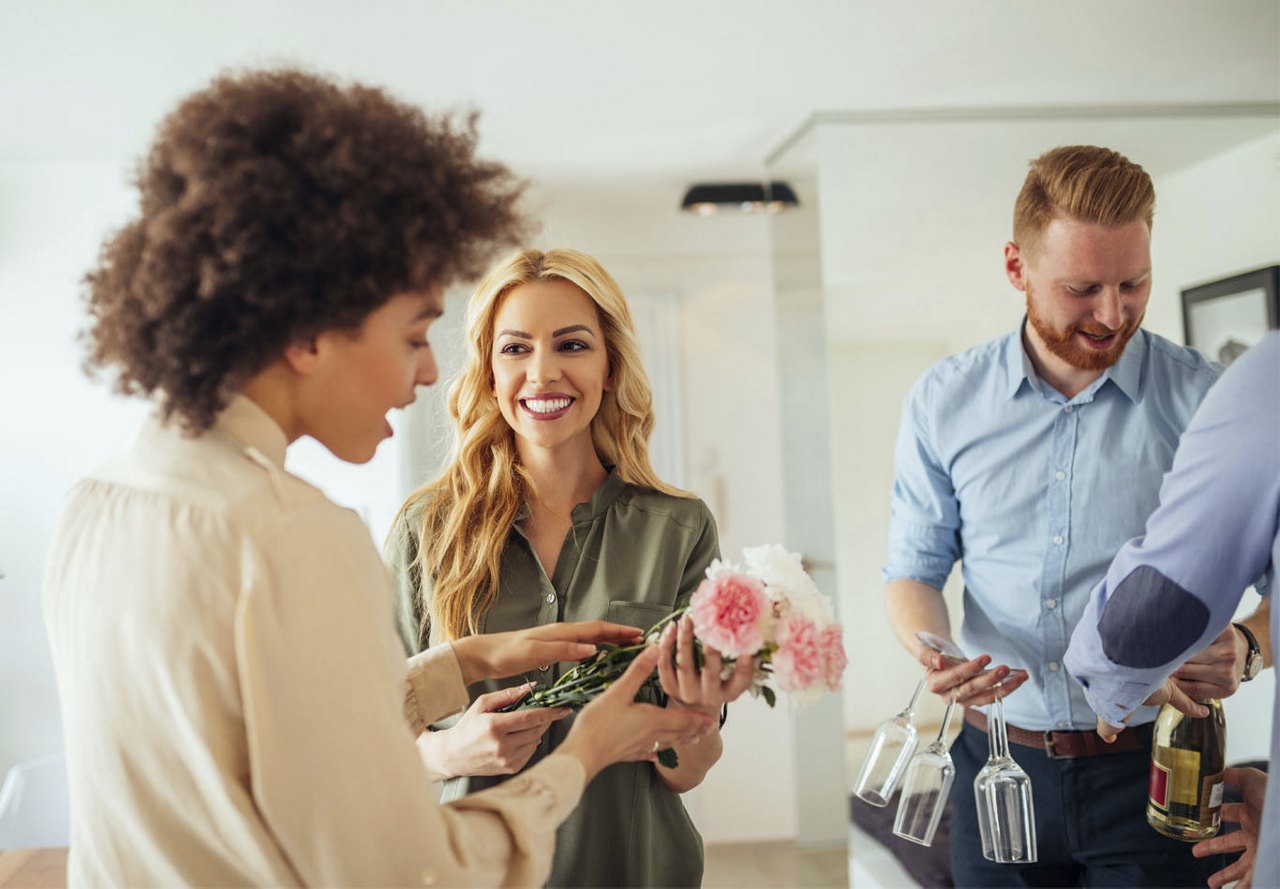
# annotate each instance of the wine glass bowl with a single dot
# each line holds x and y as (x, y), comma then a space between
(1002, 793)
(925, 788)
(892, 747)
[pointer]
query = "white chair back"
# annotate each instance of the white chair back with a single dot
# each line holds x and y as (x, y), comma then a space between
(35, 804)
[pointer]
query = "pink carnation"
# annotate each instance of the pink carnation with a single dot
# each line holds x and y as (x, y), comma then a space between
(800, 661)
(728, 611)
(831, 644)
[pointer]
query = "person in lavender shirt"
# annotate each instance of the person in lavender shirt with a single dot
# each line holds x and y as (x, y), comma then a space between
(1169, 593)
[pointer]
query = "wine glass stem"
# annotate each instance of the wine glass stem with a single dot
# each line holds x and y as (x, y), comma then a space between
(946, 719)
(915, 696)
(999, 732)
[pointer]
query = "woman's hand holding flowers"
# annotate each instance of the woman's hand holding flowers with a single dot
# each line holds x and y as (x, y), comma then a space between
(704, 688)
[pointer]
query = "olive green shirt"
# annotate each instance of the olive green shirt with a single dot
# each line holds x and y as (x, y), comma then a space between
(633, 556)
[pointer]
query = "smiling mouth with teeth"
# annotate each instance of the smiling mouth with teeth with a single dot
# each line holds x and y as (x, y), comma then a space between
(545, 405)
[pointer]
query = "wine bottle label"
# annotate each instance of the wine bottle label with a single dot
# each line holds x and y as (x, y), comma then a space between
(1213, 786)
(1158, 786)
(1183, 785)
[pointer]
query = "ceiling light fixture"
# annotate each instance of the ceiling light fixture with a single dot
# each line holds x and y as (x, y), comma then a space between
(707, 199)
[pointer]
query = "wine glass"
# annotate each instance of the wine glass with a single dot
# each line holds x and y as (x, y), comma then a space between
(925, 788)
(1002, 791)
(891, 748)
(896, 738)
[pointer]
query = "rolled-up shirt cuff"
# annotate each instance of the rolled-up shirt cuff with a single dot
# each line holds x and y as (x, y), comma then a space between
(433, 687)
(1114, 700)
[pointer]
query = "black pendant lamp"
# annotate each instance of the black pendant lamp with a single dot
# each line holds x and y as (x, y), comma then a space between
(707, 199)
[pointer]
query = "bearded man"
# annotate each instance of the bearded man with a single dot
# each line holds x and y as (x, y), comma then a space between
(1032, 459)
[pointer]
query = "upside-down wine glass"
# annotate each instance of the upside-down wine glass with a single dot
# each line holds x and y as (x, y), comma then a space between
(896, 738)
(925, 788)
(894, 742)
(1002, 792)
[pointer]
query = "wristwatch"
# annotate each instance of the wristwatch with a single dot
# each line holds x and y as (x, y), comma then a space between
(1253, 660)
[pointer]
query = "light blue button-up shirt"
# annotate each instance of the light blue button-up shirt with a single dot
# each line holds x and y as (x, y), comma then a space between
(1218, 526)
(1035, 494)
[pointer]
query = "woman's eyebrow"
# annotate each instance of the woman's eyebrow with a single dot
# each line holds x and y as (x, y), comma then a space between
(573, 328)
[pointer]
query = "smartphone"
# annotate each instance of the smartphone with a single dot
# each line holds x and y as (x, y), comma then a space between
(944, 647)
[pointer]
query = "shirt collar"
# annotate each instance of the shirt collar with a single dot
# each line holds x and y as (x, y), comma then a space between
(1126, 373)
(253, 427)
(1017, 364)
(600, 501)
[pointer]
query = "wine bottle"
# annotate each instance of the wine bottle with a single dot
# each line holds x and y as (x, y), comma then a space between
(1188, 756)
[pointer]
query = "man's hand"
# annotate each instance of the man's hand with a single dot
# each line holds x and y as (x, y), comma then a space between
(969, 682)
(496, 655)
(1248, 815)
(1216, 671)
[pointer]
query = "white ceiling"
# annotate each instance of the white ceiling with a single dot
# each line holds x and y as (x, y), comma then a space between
(662, 91)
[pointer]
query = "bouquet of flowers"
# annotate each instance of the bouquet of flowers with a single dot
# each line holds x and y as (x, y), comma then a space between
(769, 609)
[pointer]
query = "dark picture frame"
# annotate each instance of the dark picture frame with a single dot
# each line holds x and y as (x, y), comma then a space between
(1223, 318)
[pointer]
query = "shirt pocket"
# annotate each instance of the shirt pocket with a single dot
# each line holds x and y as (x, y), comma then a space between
(636, 614)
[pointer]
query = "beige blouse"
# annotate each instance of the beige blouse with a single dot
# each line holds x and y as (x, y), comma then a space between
(234, 697)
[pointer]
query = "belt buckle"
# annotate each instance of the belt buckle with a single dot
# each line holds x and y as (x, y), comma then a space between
(1050, 750)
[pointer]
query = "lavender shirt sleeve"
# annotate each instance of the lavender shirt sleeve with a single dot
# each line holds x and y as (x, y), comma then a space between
(1170, 593)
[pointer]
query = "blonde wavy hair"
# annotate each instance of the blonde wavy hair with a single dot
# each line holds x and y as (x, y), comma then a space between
(465, 515)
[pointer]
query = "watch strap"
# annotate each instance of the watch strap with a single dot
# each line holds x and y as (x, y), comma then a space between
(1252, 663)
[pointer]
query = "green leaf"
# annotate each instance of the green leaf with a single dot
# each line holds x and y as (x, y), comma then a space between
(668, 759)
(769, 697)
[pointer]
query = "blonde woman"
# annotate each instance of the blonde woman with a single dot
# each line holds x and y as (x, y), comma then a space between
(550, 511)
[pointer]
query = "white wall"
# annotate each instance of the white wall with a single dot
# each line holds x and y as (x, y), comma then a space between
(1215, 218)
(57, 424)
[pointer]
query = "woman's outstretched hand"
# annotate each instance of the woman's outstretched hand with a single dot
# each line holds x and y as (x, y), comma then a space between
(497, 655)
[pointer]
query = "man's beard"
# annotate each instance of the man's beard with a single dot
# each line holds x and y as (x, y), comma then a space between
(1063, 342)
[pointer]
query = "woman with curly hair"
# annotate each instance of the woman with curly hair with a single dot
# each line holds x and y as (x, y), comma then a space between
(550, 510)
(233, 697)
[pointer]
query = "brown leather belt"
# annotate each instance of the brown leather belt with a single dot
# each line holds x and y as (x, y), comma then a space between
(1069, 745)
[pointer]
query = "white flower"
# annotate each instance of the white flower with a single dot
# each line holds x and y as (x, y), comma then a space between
(720, 566)
(786, 582)
(775, 566)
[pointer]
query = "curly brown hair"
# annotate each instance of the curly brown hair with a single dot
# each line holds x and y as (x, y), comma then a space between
(275, 205)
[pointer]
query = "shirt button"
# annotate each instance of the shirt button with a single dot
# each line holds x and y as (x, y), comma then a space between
(1063, 724)
(1059, 475)
(1057, 540)
(1069, 408)
(1053, 666)
(1051, 604)
(551, 598)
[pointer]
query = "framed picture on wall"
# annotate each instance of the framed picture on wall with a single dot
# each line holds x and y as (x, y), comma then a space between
(1223, 318)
